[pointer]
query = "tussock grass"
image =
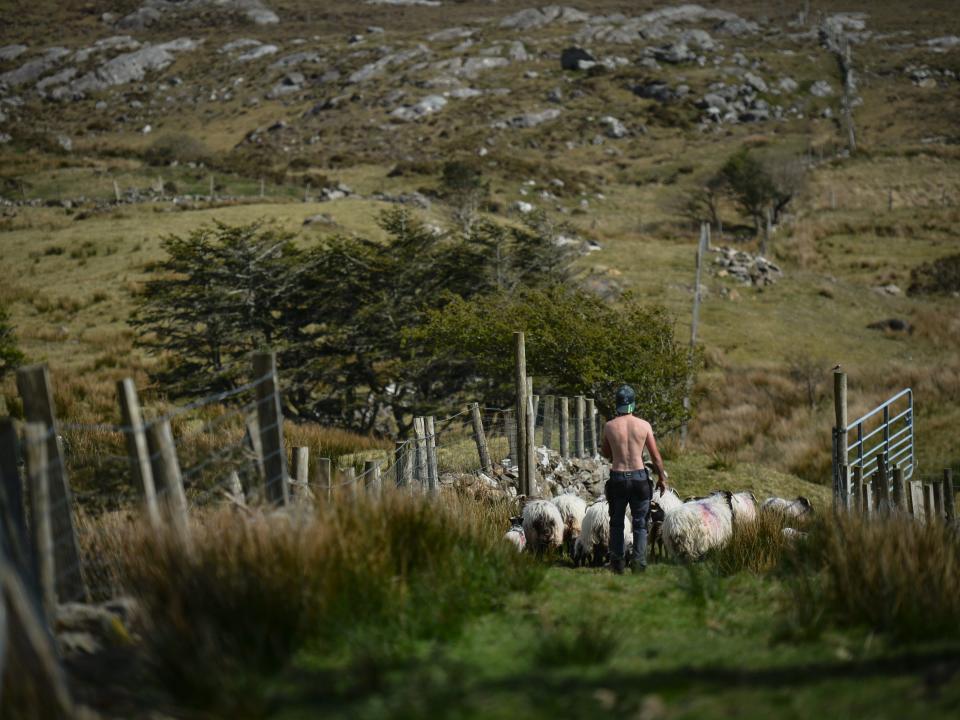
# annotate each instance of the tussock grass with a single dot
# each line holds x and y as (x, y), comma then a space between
(892, 575)
(757, 546)
(361, 579)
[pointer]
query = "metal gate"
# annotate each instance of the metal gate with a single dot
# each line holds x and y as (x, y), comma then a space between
(884, 432)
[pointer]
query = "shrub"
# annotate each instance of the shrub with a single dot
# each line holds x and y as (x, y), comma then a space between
(176, 147)
(940, 276)
(10, 356)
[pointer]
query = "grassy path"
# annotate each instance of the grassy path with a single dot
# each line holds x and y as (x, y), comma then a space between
(674, 643)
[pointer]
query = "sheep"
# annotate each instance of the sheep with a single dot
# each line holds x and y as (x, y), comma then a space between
(660, 505)
(543, 526)
(695, 528)
(515, 534)
(594, 542)
(572, 509)
(744, 507)
(792, 508)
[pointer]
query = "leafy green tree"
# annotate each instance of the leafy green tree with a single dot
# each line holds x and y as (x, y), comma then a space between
(465, 190)
(762, 182)
(576, 343)
(10, 356)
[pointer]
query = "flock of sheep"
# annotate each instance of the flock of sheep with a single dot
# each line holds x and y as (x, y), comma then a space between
(685, 529)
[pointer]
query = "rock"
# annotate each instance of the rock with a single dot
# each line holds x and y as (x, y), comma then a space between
(530, 119)
(892, 325)
(291, 83)
(56, 79)
(475, 65)
(415, 199)
(239, 44)
(698, 38)
(788, 85)
(821, 88)
(423, 3)
(427, 106)
(389, 60)
(517, 52)
(131, 67)
(5, 138)
(64, 142)
(674, 53)
(321, 219)
(297, 58)
(533, 18)
(748, 269)
(736, 27)
(261, 51)
(889, 289)
(453, 33)
(465, 93)
(34, 69)
(523, 207)
(947, 41)
(140, 19)
(654, 90)
(615, 128)
(575, 58)
(756, 82)
(11, 52)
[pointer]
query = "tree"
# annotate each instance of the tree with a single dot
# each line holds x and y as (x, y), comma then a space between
(702, 204)
(464, 188)
(762, 183)
(576, 343)
(10, 356)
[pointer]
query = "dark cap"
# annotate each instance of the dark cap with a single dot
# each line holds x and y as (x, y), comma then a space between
(626, 400)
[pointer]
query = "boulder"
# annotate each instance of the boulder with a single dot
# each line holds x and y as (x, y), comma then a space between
(33, 70)
(821, 88)
(788, 85)
(260, 51)
(736, 27)
(614, 128)
(892, 325)
(530, 119)
(756, 82)
(427, 106)
(297, 58)
(11, 52)
(654, 90)
(675, 53)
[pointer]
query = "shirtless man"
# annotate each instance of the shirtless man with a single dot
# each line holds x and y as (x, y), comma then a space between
(624, 438)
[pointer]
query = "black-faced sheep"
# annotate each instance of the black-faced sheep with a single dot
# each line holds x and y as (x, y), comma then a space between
(543, 526)
(515, 535)
(572, 509)
(744, 506)
(592, 546)
(660, 505)
(695, 528)
(792, 508)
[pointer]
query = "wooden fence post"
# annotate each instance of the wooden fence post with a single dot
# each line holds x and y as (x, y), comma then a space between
(480, 438)
(14, 540)
(869, 499)
(166, 471)
(949, 499)
(881, 484)
(348, 481)
(300, 473)
(520, 379)
(36, 391)
(840, 428)
(322, 478)
(548, 405)
(433, 479)
(419, 431)
(916, 499)
(136, 437)
(531, 445)
(929, 504)
(564, 428)
(510, 429)
(371, 473)
(858, 489)
(899, 490)
(270, 421)
(41, 520)
(938, 498)
(591, 428)
(578, 427)
(252, 440)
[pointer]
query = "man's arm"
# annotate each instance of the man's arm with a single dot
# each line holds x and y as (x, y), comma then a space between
(651, 444)
(605, 449)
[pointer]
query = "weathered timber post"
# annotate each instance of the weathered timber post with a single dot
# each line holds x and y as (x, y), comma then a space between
(929, 504)
(858, 489)
(14, 540)
(136, 437)
(166, 471)
(881, 485)
(591, 428)
(520, 360)
(323, 478)
(261, 187)
(433, 477)
(899, 490)
(116, 192)
(300, 472)
(916, 499)
(41, 520)
(270, 421)
(400, 477)
(564, 428)
(840, 428)
(531, 444)
(371, 473)
(255, 447)
(548, 408)
(578, 428)
(510, 429)
(480, 438)
(36, 391)
(845, 487)
(234, 490)
(419, 432)
(694, 325)
(869, 509)
(938, 498)
(348, 481)
(949, 500)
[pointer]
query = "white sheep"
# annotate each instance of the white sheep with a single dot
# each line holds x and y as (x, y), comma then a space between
(542, 525)
(660, 504)
(594, 542)
(695, 528)
(515, 535)
(572, 509)
(744, 507)
(792, 508)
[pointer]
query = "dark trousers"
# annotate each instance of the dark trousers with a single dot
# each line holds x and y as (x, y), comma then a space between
(629, 488)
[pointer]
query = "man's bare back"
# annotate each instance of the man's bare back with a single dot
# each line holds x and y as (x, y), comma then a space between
(624, 439)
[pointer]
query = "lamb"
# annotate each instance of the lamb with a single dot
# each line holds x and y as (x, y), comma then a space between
(542, 526)
(695, 528)
(792, 508)
(515, 534)
(572, 509)
(594, 542)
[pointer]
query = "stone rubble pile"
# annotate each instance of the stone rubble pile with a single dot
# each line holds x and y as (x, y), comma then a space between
(749, 269)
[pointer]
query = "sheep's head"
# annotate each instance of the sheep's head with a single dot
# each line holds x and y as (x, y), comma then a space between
(516, 521)
(804, 503)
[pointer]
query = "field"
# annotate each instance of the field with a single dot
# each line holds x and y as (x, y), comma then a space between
(225, 145)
